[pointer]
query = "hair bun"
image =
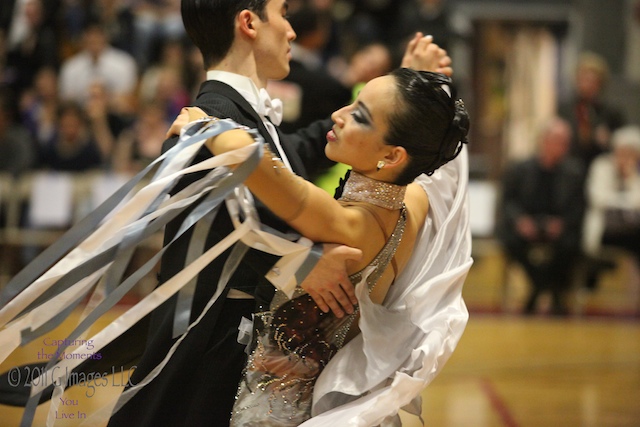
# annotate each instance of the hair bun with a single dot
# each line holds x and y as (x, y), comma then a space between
(456, 135)
(461, 122)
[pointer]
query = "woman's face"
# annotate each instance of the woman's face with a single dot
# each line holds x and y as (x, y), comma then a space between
(357, 137)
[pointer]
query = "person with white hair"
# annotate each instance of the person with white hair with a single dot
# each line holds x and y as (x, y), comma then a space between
(613, 196)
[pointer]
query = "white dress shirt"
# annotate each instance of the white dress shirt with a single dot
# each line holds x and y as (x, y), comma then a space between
(270, 113)
(250, 92)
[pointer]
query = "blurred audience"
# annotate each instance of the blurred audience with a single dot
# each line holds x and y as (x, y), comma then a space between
(14, 22)
(309, 92)
(35, 47)
(369, 21)
(591, 118)
(99, 61)
(154, 22)
(39, 106)
(117, 19)
(105, 124)
(368, 62)
(613, 198)
(74, 147)
(541, 215)
(426, 16)
(166, 81)
(141, 143)
(17, 151)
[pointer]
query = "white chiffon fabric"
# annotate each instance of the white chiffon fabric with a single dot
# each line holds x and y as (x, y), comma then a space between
(374, 375)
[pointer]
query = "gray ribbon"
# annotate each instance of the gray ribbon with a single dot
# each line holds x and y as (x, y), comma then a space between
(136, 236)
(202, 217)
(82, 229)
(312, 259)
(227, 183)
(184, 301)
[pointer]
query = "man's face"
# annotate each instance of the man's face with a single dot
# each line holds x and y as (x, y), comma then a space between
(555, 144)
(589, 84)
(273, 43)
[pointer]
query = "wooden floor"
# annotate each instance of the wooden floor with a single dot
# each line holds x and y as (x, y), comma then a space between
(508, 370)
(511, 371)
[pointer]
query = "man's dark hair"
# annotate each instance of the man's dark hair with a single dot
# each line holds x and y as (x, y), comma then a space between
(210, 24)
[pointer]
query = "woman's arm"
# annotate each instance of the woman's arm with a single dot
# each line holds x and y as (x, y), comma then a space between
(305, 207)
(308, 209)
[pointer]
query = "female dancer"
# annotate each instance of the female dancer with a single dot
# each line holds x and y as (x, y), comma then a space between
(401, 126)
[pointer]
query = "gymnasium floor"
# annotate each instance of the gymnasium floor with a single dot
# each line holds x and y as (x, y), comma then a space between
(508, 370)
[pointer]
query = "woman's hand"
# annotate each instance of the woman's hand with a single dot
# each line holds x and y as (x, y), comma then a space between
(423, 54)
(186, 116)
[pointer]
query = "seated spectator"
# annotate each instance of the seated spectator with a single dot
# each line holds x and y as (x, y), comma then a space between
(154, 22)
(17, 153)
(117, 19)
(541, 215)
(39, 106)
(105, 124)
(99, 61)
(73, 148)
(37, 48)
(165, 81)
(141, 143)
(613, 197)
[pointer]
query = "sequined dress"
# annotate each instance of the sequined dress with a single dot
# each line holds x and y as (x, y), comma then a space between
(292, 343)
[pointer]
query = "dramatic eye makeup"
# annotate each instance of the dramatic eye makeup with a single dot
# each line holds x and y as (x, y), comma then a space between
(362, 115)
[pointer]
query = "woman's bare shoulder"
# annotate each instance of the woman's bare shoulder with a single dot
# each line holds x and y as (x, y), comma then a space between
(417, 202)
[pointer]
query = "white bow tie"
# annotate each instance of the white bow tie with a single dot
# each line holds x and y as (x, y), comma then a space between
(271, 108)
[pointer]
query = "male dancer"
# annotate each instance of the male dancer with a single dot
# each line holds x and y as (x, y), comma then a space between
(244, 44)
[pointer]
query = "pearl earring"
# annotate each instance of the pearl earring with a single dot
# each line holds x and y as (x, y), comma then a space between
(380, 164)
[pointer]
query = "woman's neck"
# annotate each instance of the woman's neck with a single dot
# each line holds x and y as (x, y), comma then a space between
(360, 188)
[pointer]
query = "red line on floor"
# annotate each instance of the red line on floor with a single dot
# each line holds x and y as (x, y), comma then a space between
(498, 403)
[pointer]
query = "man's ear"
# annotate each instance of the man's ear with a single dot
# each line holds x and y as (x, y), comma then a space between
(246, 20)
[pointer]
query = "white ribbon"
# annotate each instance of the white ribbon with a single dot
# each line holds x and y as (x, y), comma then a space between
(109, 234)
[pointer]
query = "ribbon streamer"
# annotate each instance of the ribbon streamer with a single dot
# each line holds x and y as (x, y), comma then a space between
(41, 296)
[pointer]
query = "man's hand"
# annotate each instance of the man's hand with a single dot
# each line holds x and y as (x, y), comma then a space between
(424, 55)
(328, 283)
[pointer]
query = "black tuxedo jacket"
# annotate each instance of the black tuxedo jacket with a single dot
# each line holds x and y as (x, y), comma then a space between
(207, 366)
(198, 385)
(305, 151)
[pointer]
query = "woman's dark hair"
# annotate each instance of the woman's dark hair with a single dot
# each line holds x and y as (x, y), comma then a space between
(431, 125)
(210, 24)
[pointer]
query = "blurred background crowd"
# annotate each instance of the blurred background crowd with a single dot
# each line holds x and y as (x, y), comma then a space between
(88, 89)
(90, 86)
